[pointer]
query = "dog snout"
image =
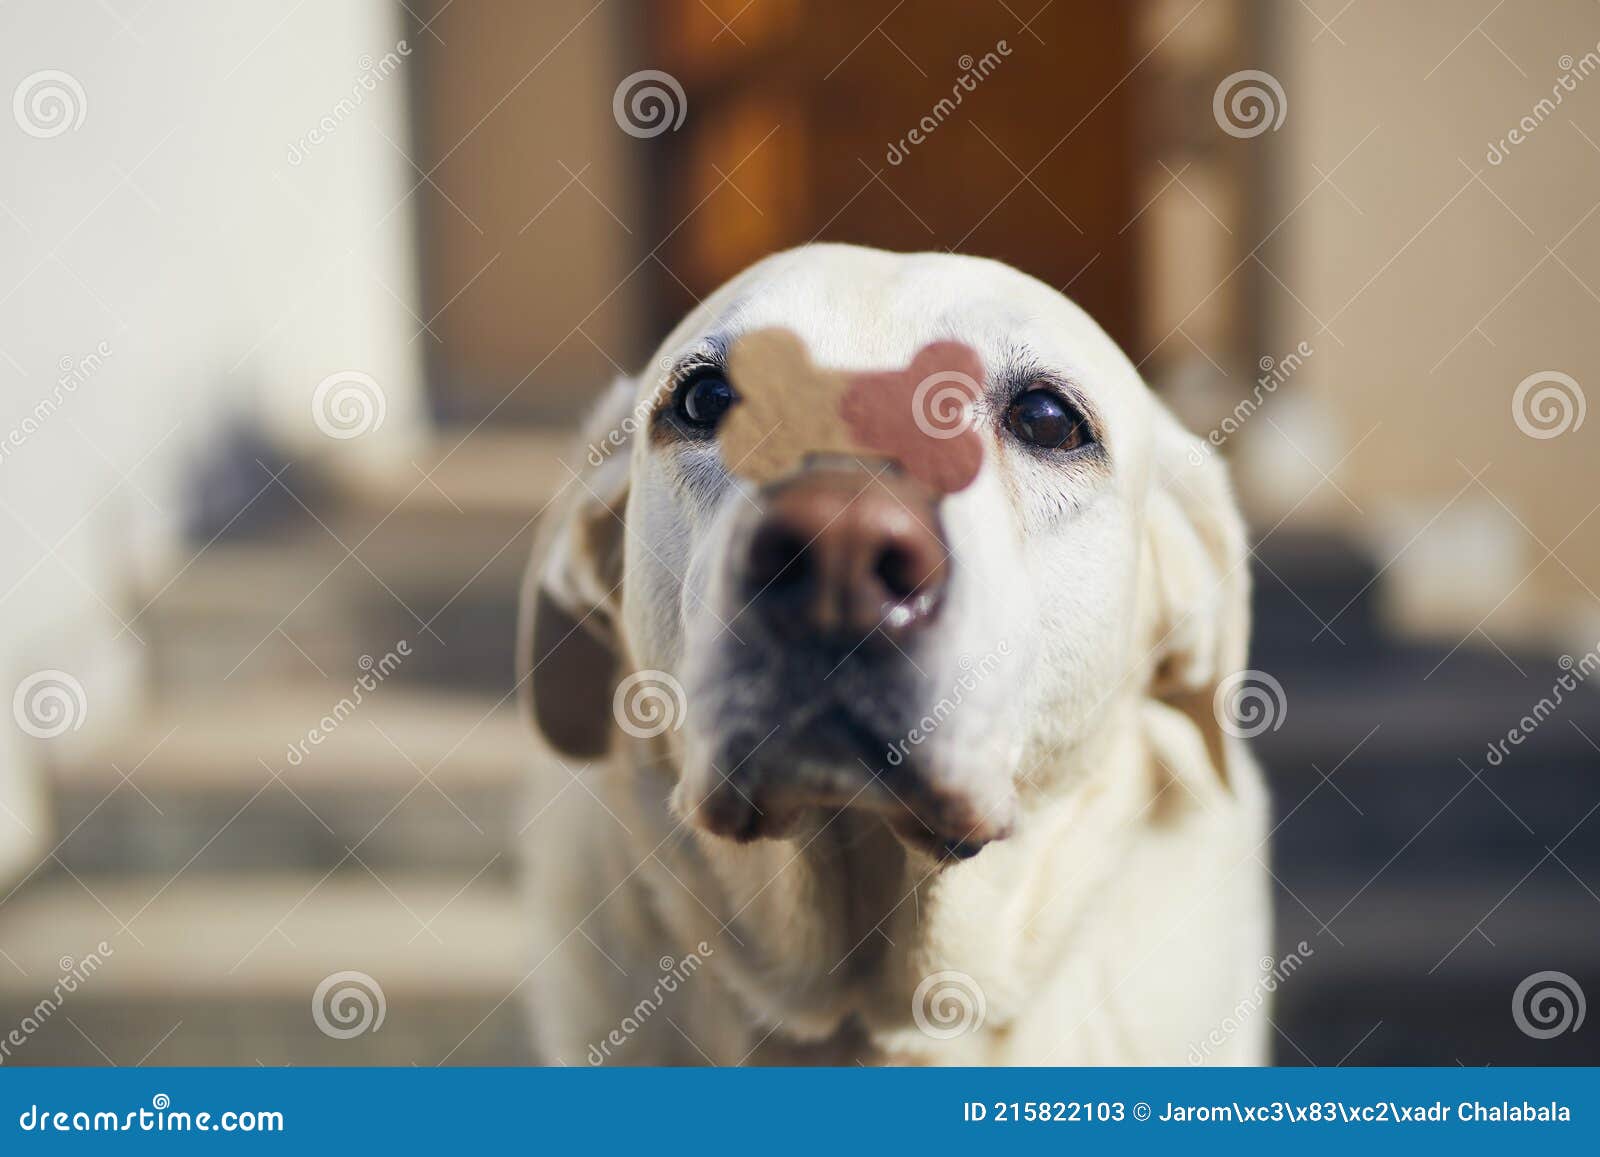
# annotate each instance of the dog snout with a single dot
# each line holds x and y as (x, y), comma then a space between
(838, 554)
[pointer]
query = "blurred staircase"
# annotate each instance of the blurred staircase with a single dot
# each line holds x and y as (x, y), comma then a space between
(1428, 882)
(231, 873)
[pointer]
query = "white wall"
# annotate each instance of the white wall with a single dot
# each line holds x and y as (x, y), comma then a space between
(192, 256)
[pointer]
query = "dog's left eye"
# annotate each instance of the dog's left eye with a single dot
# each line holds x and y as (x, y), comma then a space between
(1043, 418)
(703, 399)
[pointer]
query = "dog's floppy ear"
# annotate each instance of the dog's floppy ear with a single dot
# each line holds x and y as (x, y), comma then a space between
(1195, 584)
(568, 648)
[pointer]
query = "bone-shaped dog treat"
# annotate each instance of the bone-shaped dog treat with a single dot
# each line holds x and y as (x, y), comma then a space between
(922, 416)
(790, 408)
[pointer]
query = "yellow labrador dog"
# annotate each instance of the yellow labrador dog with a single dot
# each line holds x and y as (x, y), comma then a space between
(869, 774)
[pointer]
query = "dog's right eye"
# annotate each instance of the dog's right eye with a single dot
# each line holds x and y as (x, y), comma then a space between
(703, 399)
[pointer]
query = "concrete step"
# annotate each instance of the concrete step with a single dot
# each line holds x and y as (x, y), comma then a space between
(240, 781)
(260, 610)
(199, 969)
(487, 469)
(1403, 969)
(356, 564)
(298, 604)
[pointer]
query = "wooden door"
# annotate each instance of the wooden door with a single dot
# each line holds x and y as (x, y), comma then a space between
(927, 124)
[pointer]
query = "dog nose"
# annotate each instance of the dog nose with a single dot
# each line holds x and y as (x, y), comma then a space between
(841, 553)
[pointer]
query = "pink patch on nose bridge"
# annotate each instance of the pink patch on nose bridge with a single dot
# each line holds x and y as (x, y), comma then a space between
(922, 416)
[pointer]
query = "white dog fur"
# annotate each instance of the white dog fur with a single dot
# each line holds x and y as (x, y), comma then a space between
(1122, 919)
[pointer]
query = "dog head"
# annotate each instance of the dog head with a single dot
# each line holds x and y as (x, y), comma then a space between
(780, 563)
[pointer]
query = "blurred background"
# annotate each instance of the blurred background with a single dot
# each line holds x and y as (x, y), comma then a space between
(298, 301)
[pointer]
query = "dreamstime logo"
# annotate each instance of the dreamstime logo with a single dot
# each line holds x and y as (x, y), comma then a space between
(948, 1004)
(635, 420)
(373, 673)
(49, 703)
(366, 83)
(1274, 973)
(155, 1119)
(649, 703)
(347, 1004)
(972, 673)
(973, 72)
(1575, 672)
(74, 373)
(1274, 372)
(1248, 103)
(648, 103)
(1547, 404)
(941, 405)
(1249, 703)
(674, 973)
(348, 404)
(1548, 1004)
(74, 973)
(49, 103)
(1572, 71)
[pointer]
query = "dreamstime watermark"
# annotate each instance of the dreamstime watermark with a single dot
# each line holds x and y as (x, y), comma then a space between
(948, 1004)
(374, 672)
(1249, 703)
(1548, 1004)
(1248, 103)
(49, 703)
(161, 1117)
(73, 974)
(1577, 670)
(972, 673)
(72, 375)
(1274, 373)
(973, 72)
(1274, 973)
(942, 404)
(48, 103)
(348, 404)
(673, 974)
(1572, 71)
(649, 703)
(648, 103)
(635, 420)
(1547, 404)
(348, 1004)
(366, 83)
